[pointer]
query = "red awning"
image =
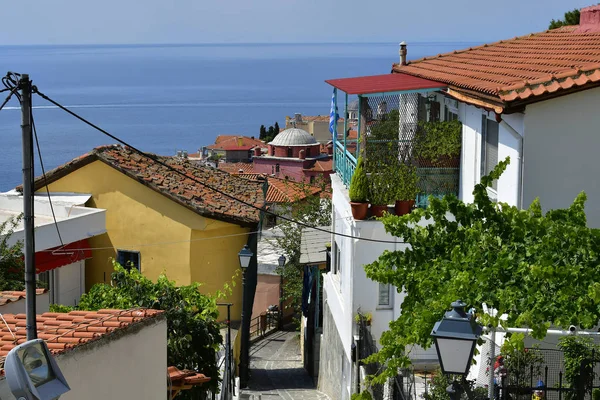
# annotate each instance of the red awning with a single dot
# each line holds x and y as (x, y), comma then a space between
(50, 259)
(384, 83)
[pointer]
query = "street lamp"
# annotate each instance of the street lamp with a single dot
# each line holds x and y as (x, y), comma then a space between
(455, 338)
(281, 260)
(245, 256)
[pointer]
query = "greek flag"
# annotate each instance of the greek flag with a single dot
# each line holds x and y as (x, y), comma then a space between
(333, 115)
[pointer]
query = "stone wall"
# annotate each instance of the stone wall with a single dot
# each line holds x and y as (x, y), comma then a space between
(332, 352)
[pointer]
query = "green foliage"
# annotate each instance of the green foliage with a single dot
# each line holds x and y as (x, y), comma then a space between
(12, 266)
(578, 352)
(359, 184)
(263, 133)
(437, 387)
(267, 135)
(571, 18)
(364, 395)
(406, 182)
(596, 394)
(524, 365)
(438, 139)
(59, 308)
(537, 269)
(387, 129)
(381, 188)
(313, 210)
(193, 335)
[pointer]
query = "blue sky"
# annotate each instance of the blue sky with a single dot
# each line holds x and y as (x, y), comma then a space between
(245, 21)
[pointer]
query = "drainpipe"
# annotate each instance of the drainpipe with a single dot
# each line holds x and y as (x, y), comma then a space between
(519, 137)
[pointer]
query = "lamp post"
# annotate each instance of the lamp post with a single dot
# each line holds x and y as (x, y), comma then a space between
(455, 338)
(245, 256)
(281, 260)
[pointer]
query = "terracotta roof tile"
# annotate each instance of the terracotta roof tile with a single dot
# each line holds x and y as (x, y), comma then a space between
(235, 168)
(184, 191)
(183, 379)
(518, 68)
(322, 166)
(236, 143)
(284, 191)
(12, 296)
(65, 331)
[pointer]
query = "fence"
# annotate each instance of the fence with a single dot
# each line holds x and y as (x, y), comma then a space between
(264, 324)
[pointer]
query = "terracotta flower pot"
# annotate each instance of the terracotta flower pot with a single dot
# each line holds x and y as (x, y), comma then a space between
(377, 211)
(359, 210)
(403, 207)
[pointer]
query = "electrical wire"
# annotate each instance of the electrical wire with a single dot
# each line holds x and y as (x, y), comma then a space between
(193, 178)
(12, 91)
(39, 151)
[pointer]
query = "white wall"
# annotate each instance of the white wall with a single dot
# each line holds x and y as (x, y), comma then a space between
(19, 307)
(69, 283)
(132, 366)
(561, 152)
(508, 146)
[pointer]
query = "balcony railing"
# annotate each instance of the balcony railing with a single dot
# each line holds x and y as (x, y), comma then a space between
(390, 129)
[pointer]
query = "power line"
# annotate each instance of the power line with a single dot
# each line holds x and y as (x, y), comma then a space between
(193, 178)
(12, 91)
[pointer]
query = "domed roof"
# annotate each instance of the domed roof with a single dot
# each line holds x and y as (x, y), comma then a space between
(353, 105)
(293, 137)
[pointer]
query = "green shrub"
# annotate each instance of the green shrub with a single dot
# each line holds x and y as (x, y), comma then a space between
(359, 184)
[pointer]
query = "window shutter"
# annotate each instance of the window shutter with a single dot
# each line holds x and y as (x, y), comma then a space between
(491, 144)
(384, 294)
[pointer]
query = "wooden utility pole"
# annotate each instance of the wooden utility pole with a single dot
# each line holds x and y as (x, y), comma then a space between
(28, 214)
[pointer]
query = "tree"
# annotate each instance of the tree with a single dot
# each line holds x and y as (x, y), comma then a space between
(263, 133)
(537, 269)
(571, 18)
(312, 210)
(192, 329)
(270, 133)
(276, 129)
(12, 266)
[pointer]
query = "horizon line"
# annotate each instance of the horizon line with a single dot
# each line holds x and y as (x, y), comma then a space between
(414, 43)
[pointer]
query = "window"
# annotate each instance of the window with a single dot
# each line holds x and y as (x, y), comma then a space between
(308, 152)
(384, 295)
(338, 254)
(489, 147)
(290, 152)
(450, 114)
(129, 259)
(276, 168)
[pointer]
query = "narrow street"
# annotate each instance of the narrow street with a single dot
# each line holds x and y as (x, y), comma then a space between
(277, 371)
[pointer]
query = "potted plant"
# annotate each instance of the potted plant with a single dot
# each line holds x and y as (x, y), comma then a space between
(359, 190)
(407, 189)
(381, 190)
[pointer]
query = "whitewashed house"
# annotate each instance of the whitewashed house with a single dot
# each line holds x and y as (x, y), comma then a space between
(534, 98)
(59, 260)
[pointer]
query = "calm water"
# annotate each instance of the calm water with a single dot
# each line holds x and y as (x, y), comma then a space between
(166, 98)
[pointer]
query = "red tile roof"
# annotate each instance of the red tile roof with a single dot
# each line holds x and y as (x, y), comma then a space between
(322, 166)
(236, 143)
(285, 191)
(10, 296)
(183, 191)
(66, 331)
(222, 138)
(234, 168)
(383, 83)
(183, 379)
(522, 68)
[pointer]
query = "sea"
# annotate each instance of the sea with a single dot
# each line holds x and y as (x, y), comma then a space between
(165, 98)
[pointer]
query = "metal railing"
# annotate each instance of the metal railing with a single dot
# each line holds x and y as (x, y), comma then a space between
(264, 324)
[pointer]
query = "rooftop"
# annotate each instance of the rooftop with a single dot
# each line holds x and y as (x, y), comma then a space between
(63, 332)
(313, 245)
(10, 296)
(176, 187)
(519, 69)
(293, 137)
(228, 142)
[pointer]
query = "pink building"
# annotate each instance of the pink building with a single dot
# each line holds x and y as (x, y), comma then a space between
(294, 154)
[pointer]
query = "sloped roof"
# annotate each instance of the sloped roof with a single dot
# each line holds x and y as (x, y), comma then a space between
(519, 69)
(313, 245)
(322, 166)
(236, 143)
(181, 190)
(234, 168)
(183, 379)
(66, 331)
(285, 191)
(10, 296)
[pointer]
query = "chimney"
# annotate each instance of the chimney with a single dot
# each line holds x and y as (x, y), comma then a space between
(403, 53)
(257, 151)
(298, 118)
(302, 154)
(240, 141)
(589, 20)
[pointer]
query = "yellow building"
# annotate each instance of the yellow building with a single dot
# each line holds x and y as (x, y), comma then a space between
(317, 126)
(159, 221)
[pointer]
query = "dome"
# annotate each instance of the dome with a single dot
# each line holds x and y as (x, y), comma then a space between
(353, 105)
(293, 137)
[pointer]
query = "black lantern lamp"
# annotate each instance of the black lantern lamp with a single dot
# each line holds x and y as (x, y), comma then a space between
(245, 255)
(281, 260)
(455, 338)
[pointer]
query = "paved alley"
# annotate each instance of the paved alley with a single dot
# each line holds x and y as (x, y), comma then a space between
(277, 371)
